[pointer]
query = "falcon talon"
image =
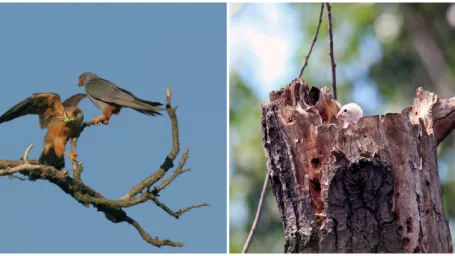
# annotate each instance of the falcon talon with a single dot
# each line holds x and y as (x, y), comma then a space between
(73, 157)
(96, 121)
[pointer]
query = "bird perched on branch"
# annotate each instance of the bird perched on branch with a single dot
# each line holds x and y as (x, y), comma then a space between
(62, 120)
(111, 99)
(350, 113)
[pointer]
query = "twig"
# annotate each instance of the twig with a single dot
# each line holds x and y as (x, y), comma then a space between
(314, 41)
(166, 182)
(178, 213)
(332, 59)
(168, 97)
(27, 151)
(155, 241)
(258, 215)
(13, 176)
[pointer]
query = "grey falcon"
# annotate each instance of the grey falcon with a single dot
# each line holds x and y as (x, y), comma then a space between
(110, 98)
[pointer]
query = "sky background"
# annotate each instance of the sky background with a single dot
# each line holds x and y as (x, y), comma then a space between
(144, 48)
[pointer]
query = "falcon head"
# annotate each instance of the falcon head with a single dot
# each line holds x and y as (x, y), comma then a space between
(73, 115)
(85, 77)
(350, 113)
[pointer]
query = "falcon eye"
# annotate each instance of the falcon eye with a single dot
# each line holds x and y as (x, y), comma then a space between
(345, 110)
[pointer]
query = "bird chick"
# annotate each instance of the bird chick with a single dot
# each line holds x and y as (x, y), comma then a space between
(350, 113)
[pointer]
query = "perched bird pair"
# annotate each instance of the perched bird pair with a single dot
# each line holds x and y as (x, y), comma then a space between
(64, 120)
(350, 113)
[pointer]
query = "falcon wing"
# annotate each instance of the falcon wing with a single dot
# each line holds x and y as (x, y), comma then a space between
(74, 100)
(46, 105)
(103, 90)
(108, 92)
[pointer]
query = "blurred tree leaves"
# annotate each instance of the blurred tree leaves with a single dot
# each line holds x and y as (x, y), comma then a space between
(249, 170)
(394, 75)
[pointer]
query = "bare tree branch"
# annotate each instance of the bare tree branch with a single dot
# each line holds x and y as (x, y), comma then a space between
(27, 151)
(178, 213)
(314, 41)
(176, 173)
(332, 58)
(113, 209)
(155, 241)
(258, 215)
(168, 161)
(77, 167)
(5, 164)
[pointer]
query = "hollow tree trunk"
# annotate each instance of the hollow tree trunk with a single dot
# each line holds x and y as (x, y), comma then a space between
(371, 187)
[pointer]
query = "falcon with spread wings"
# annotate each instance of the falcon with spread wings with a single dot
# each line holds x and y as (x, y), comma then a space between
(62, 120)
(110, 98)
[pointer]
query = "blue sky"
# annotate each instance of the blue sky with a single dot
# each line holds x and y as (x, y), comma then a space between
(144, 48)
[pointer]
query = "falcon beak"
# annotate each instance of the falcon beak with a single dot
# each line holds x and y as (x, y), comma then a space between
(68, 118)
(79, 82)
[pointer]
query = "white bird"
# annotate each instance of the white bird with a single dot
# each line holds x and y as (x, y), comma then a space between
(350, 113)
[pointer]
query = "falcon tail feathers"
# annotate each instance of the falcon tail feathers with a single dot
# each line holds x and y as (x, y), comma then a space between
(52, 159)
(148, 107)
(149, 112)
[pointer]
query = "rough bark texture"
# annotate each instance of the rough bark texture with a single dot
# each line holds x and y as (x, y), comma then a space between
(371, 187)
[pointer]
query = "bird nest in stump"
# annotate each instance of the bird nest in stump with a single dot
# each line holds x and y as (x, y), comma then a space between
(370, 187)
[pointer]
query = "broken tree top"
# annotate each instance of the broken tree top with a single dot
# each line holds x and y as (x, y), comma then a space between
(371, 187)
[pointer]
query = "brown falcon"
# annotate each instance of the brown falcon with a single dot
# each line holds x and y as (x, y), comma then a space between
(110, 98)
(62, 120)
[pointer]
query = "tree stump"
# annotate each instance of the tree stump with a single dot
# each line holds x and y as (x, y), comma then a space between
(371, 187)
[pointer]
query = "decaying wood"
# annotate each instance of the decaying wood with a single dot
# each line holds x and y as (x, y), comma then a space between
(371, 187)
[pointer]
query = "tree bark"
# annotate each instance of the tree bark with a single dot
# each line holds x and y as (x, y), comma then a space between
(371, 187)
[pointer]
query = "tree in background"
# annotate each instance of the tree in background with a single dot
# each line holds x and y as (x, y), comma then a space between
(383, 53)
